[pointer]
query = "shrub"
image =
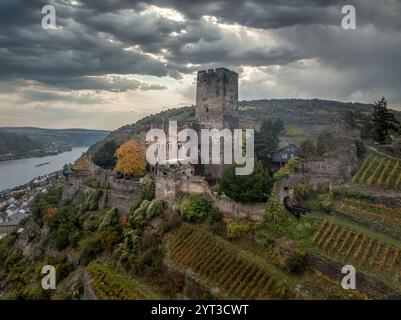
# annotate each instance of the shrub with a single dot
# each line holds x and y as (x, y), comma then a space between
(137, 217)
(93, 183)
(215, 216)
(128, 250)
(90, 249)
(147, 188)
(301, 191)
(294, 165)
(91, 201)
(195, 208)
(236, 229)
(323, 202)
(140, 216)
(281, 174)
(360, 148)
(62, 240)
(74, 237)
(109, 239)
(37, 293)
(288, 257)
(339, 192)
(109, 221)
(155, 208)
(91, 223)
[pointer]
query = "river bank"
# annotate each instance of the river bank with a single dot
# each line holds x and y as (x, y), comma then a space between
(38, 154)
(14, 173)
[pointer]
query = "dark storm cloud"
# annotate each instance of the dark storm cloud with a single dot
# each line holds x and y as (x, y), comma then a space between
(267, 14)
(52, 96)
(98, 38)
(74, 50)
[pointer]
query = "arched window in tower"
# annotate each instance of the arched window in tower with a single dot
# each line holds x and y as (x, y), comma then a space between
(207, 109)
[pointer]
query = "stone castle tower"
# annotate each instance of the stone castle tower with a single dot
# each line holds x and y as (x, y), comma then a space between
(217, 107)
(217, 98)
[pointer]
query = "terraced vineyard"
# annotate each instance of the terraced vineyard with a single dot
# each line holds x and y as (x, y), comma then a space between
(373, 211)
(229, 273)
(347, 244)
(380, 172)
(108, 284)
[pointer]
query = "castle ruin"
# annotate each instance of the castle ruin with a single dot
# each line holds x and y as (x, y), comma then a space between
(217, 98)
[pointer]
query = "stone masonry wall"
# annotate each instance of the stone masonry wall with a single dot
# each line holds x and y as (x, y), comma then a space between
(122, 194)
(167, 188)
(216, 98)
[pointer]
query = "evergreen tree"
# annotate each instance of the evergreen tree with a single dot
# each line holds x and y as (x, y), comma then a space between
(383, 120)
(104, 157)
(267, 138)
(248, 188)
(275, 210)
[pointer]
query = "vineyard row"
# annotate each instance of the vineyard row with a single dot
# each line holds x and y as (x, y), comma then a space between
(380, 172)
(233, 274)
(367, 251)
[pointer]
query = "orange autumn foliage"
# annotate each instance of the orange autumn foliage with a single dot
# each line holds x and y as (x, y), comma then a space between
(82, 164)
(130, 159)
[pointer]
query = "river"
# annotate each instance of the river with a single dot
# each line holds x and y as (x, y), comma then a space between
(14, 173)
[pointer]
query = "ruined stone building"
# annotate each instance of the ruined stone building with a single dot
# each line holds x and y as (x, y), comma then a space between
(216, 108)
(217, 98)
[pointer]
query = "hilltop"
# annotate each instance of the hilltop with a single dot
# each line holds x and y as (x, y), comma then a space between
(18, 144)
(303, 118)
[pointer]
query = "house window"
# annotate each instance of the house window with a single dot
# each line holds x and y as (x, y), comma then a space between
(284, 156)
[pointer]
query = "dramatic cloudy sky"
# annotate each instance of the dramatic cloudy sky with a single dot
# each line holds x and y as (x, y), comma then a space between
(110, 62)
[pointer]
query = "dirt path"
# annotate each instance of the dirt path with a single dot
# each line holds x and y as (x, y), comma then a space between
(374, 149)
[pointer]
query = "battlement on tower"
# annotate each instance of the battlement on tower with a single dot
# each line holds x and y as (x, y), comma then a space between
(217, 98)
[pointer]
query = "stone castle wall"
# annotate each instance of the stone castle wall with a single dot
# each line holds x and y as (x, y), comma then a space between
(168, 188)
(122, 194)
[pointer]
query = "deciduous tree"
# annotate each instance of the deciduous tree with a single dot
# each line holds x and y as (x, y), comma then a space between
(130, 159)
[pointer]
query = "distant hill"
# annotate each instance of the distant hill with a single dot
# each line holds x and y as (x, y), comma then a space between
(303, 118)
(18, 144)
(28, 141)
(71, 137)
